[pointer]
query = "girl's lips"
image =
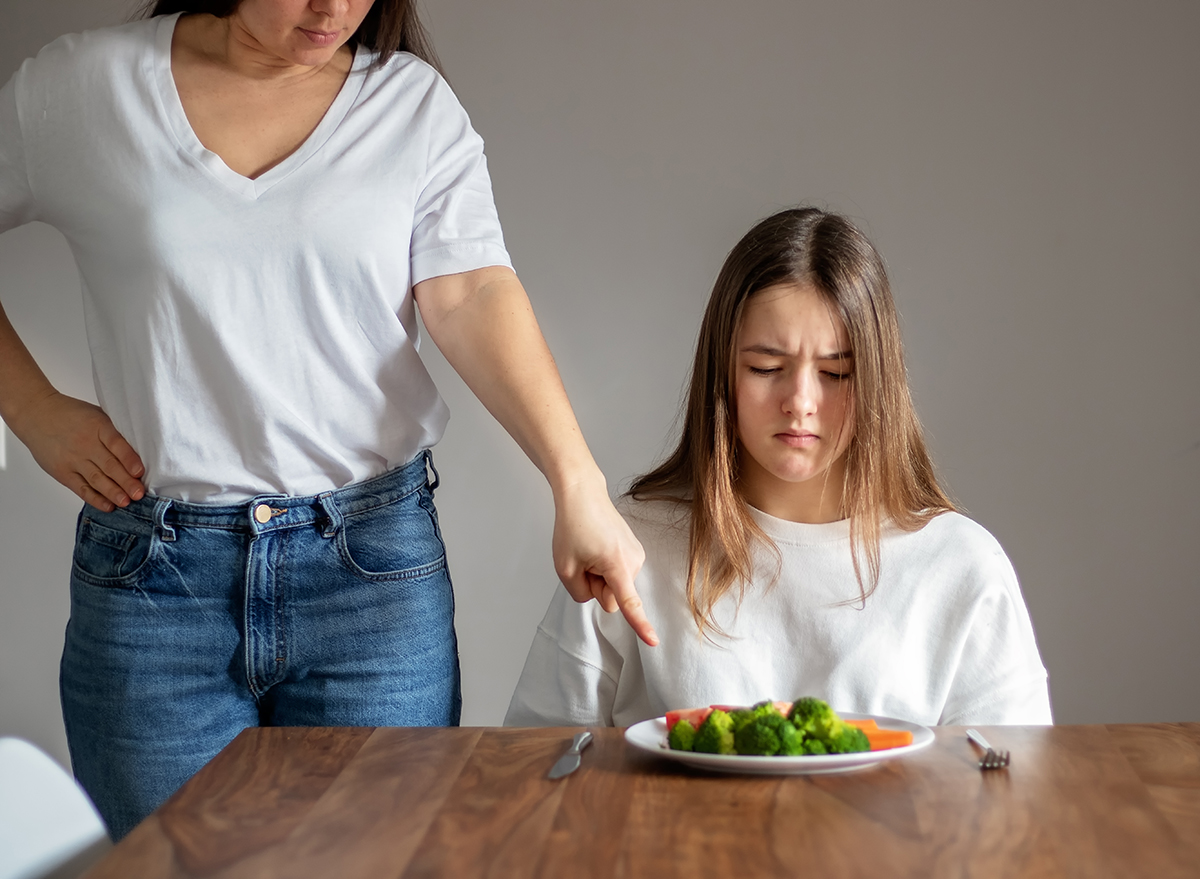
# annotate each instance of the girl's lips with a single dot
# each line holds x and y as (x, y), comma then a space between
(798, 440)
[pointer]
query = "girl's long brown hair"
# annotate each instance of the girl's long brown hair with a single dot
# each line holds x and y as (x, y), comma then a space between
(888, 471)
(391, 26)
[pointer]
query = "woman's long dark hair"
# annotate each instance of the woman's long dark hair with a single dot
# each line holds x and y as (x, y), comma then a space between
(391, 26)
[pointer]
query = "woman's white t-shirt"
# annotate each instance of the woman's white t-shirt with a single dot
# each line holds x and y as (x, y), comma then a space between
(250, 336)
(945, 638)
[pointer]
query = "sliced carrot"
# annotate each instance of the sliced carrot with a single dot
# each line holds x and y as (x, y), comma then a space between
(865, 725)
(882, 739)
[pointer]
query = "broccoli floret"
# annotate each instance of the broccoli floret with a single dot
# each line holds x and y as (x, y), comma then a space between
(765, 709)
(766, 732)
(740, 718)
(715, 735)
(815, 718)
(758, 738)
(850, 741)
(811, 727)
(682, 736)
(791, 740)
(824, 731)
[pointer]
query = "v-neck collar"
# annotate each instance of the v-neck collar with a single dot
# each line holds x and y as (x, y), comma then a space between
(210, 161)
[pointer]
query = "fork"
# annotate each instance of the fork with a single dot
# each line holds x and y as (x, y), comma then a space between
(992, 759)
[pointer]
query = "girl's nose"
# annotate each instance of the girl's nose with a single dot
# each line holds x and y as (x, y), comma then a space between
(802, 391)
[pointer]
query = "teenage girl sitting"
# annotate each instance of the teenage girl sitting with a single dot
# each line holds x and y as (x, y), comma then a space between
(797, 541)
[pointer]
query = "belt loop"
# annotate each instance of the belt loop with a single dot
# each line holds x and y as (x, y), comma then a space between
(333, 516)
(166, 533)
(437, 480)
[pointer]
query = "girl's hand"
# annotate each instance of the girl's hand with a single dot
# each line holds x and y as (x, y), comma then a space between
(597, 556)
(77, 444)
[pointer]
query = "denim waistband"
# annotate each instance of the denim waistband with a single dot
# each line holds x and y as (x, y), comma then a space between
(272, 512)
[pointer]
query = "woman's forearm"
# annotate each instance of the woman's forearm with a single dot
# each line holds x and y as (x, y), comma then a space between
(483, 323)
(22, 382)
(72, 440)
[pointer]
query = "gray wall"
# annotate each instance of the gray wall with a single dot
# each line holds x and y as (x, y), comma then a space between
(1028, 171)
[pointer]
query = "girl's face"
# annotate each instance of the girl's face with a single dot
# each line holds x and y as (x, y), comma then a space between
(301, 32)
(795, 415)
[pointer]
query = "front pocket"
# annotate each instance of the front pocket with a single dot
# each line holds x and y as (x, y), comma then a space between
(399, 540)
(109, 554)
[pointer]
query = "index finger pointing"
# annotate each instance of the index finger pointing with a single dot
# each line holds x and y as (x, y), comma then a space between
(631, 608)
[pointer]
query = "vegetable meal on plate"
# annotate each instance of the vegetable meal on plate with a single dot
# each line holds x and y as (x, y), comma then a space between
(785, 729)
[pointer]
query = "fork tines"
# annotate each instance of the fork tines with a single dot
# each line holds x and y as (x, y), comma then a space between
(994, 759)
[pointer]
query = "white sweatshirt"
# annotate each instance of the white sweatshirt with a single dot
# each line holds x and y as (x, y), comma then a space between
(944, 639)
(250, 336)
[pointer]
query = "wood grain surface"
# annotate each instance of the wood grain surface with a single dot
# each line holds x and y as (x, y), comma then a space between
(1077, 801)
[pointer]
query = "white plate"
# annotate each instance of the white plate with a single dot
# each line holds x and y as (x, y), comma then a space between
(651, 735)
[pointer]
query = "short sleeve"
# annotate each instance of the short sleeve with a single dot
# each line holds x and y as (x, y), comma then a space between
(16, 197)
(455, 224)
(1000, 678)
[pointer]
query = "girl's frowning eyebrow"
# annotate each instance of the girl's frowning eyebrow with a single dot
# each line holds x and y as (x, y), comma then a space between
(768, 351)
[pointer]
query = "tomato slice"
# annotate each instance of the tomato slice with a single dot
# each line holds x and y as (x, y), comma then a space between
(784, 707)
(694, 716)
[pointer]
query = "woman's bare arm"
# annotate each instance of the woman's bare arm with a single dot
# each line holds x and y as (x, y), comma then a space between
(483, 323)
(72, 440)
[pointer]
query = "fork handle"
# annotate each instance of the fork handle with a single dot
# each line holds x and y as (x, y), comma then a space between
(974, 735)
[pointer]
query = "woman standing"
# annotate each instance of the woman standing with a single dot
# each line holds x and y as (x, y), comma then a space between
(259, 195)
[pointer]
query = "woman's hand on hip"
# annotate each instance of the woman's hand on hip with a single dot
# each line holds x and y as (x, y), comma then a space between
(597, 556)
(76, 443)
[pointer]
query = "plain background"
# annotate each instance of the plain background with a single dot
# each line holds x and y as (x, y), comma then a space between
(1029, 172)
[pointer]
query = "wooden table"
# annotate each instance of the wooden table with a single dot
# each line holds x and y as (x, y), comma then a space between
(1086, 801)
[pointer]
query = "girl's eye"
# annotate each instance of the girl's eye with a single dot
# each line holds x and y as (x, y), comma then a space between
(837, 376)
(764, 370)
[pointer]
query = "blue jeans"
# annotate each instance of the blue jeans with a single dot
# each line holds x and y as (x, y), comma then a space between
(191, 622)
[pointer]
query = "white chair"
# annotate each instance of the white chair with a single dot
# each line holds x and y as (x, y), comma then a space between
(48, 826)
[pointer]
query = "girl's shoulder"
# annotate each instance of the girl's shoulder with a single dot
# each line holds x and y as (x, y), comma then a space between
(656, 515)
(663, 527)
(954, 546)
(955, 529)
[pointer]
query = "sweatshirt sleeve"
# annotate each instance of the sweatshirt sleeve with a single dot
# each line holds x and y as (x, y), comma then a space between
(571, 674)
(16, 196)
(999, 678)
